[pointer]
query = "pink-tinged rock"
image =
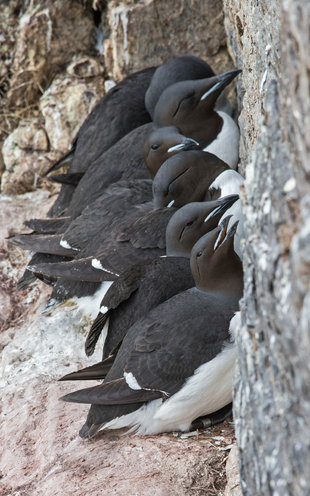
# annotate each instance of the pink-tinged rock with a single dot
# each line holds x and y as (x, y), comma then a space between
(15, 210)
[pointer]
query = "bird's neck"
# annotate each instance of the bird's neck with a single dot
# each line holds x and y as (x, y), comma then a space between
(203, 127)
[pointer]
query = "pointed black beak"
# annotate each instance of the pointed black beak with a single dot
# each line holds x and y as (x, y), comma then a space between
(225, 233)
(187, 144)
(225, 204)
(221, 81)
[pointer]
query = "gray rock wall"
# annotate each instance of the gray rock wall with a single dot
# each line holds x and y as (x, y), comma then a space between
(270, 42)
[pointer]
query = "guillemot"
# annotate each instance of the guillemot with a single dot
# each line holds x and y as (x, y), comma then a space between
(143, 286)
(120, 111)
(164, 375)
(162, 143)
(194, 176)
(95, 217)
(189, 105)
(112, 207)
(185, 177)
(191, 222)
(182, 68)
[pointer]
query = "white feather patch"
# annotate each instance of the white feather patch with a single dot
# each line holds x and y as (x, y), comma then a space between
(89, 304)
(208, 390)
(131, 380)
(103, 309)
(228, 182)
(97, 265)
(226, 144)
(66, 245)
(170, 203)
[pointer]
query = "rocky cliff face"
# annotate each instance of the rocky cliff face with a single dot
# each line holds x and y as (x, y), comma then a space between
(58, 58)
(269, 41)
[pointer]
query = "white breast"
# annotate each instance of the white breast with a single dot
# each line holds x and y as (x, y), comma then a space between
(208, 390)
(226, 144)
(228, 182)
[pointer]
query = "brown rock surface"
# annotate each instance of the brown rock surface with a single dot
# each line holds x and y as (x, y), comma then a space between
(49, 34)
(149, 32)
(69, 100)
(35, 144)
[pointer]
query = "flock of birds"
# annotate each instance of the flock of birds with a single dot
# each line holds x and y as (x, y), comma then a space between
(148, 219)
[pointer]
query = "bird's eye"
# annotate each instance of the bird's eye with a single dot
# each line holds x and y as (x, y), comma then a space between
(190, 223)
(155, 146)
(199, 254)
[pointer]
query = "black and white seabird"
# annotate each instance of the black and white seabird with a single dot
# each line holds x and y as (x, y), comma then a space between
(137, 290)
(192, 221)
(123, 161)
(118, 112)
(194, 176)
(185, 177)
(116, 203)
(83, 228)
(143, 286)
(118, 197)
(140, 237)
(166, 375)
(189, 105)
(162, 143)
(182, 68)
(74, 233)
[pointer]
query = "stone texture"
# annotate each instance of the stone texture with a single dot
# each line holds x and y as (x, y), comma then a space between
(68, 101)
(233, 487)
(9, 13)
(49, 34)
(37, 41)
(149, 32)
(26, 156)
(35, 144)
(272, 401)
